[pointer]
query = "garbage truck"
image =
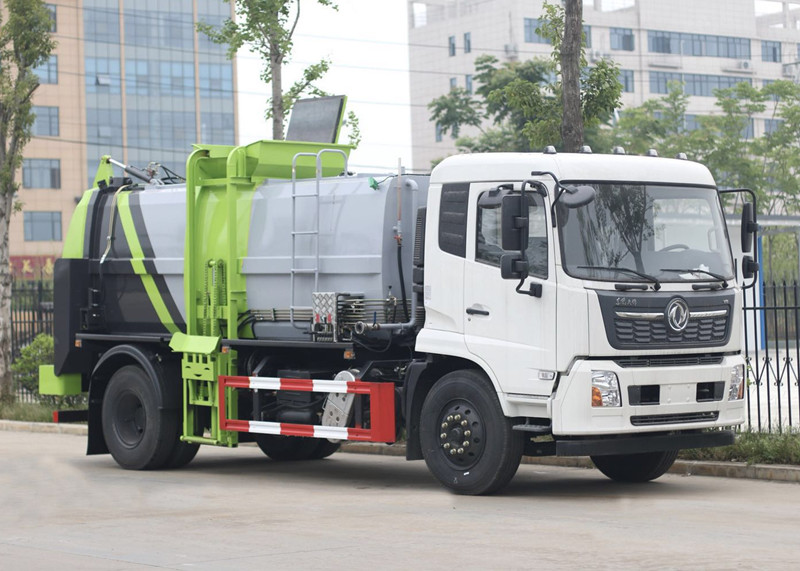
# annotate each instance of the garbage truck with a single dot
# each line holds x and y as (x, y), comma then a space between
(508, 304)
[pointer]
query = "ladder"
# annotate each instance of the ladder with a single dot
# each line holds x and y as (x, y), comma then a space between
(313, 233)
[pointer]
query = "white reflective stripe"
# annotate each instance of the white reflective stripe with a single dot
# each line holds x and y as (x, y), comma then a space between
(330, 386)
(265, 427)
(267, 383)
(334, 432)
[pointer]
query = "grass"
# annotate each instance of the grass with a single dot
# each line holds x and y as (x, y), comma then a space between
(754, 448)
(28, 412)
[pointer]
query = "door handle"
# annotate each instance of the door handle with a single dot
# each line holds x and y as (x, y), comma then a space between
(476, 311)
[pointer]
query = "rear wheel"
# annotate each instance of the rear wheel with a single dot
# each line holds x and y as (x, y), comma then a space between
(635, 467)
(324, 449)
(467, 442)
(139, 433)
(287, 447)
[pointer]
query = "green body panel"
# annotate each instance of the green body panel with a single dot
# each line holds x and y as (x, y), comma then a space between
(105, 172)
(183, 343)
(59, 385)
(220, 184)
(73, 243)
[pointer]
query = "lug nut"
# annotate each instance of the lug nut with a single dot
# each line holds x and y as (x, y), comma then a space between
(467, 433)
(446, 445)
(444, 426)
(453, 452)
(443, 435)
(460, 451)
(464, 422)
(457, 417)
(465, 444)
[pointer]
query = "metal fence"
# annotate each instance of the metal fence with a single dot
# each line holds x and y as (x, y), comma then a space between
(772, 347)
(31, 314)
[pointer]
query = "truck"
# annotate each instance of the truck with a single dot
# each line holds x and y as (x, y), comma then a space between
(508, 304)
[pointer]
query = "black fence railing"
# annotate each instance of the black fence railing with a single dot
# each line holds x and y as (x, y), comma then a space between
(31, 314)
(772, 348)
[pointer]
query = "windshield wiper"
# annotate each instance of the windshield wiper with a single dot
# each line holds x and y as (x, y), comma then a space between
(647, 277)
(697, 271)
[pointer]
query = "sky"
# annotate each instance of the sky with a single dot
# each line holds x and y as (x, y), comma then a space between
(366, 41)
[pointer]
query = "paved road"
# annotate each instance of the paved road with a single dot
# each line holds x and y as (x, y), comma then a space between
(235, 509)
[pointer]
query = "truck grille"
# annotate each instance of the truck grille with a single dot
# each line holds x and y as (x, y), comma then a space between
(655, 419)
(669, 361)
(646, 331)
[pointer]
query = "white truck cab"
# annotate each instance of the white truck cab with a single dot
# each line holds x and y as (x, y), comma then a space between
(623, 317)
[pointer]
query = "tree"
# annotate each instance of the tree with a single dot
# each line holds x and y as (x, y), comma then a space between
(25, 43)
(268, 27)
(523, 100)
(571, 56)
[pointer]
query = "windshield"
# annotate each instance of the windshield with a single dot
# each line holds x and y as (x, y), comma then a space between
(633, 232)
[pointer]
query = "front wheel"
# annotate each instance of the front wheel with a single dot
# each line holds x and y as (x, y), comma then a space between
(467, 442)
(635, 467)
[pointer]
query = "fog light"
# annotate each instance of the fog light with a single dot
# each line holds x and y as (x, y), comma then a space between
(736, 392)
(605, 389)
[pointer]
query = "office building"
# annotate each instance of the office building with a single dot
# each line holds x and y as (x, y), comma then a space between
(131, 79)
(706, 45)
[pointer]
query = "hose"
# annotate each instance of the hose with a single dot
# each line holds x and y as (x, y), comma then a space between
(402, 280)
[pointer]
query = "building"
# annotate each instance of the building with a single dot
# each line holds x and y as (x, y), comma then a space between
(131, 79)
(707, 45)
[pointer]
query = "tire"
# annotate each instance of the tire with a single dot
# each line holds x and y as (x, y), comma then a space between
(324, 449)
(182, 453)
(287, 448)
(463, 407)
(635, 467)
(139, 433)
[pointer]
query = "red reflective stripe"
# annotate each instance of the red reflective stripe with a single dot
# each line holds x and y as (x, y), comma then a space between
(297, 429)
(55, 416)
(297, 384)
(238, 382)
(237, 425)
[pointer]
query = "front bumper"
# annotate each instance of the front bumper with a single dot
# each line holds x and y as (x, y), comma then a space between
(645, 443)
(677, 407)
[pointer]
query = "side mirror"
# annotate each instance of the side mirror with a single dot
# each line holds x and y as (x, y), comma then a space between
(749, 226)
(749, 267)
(515, 223)
(513, 267)
(577, 196)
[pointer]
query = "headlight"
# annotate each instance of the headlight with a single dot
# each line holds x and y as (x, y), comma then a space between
(736, 391)
(605, 389)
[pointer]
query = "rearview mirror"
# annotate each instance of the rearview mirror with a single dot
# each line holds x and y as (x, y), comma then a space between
(749, 226)
(515, 222)
(749, 267)
(577, 196)
(513, 267)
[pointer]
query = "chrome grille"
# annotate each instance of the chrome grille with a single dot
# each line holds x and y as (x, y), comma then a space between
(654, 419)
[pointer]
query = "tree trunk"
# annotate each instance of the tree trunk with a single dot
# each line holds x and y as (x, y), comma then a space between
(6, 381)
(275, 63)
(572, 118)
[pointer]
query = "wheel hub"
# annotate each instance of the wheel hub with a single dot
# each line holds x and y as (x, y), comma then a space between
(461, 437)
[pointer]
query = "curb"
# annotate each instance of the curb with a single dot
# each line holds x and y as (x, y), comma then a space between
(771, 472)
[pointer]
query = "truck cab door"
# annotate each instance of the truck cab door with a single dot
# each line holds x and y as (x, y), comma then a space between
(513, 334)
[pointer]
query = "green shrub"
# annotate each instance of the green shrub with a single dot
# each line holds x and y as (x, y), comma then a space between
(26, 372)
(754, 448)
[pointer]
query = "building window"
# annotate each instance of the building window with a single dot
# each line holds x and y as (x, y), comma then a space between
(177, 78)
(467, 42)
(531, 35)
(622, 39)
(702, 45)
(104, 126)
(468, 83)
(694, 83)
(159, 28)
(41, 173)
(48, 71)
(691, 122)
(42, 226)
(772, 125)
(216, 128)
(101, 24)
(453, 83)
(102, 75)
(216, 80)
(770, 51)
(438, 133)
(587, 36)
(53, 25)
(45, 124)
(451, 45)
(626, 79)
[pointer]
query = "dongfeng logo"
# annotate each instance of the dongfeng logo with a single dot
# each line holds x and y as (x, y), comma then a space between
(677, 314)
